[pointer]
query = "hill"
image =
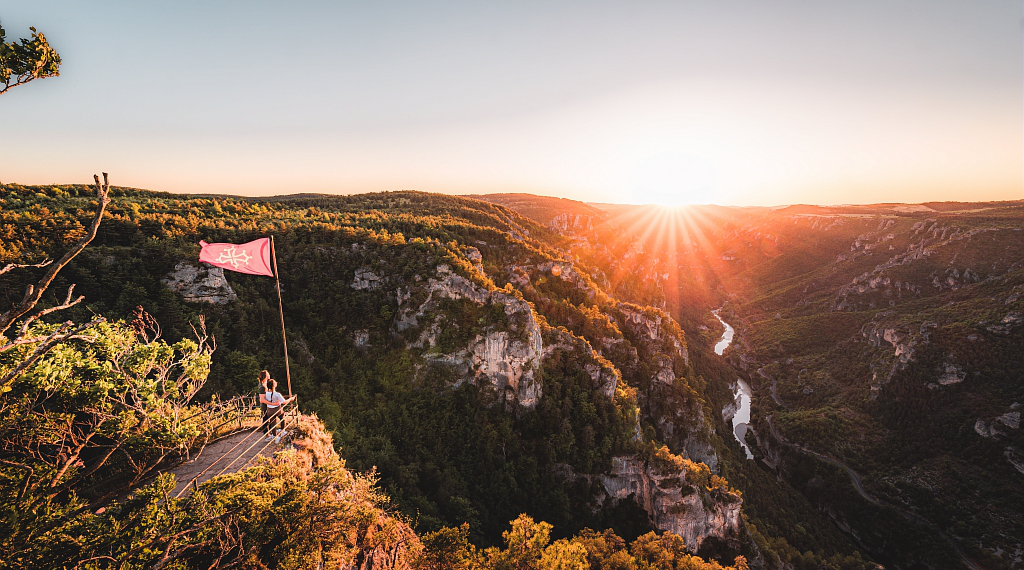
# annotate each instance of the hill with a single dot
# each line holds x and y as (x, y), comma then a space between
(883, 345)
(445, 342)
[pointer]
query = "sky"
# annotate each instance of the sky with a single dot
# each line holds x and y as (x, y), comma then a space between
(722, 102)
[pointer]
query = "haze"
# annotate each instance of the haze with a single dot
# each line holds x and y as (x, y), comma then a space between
(741, 103)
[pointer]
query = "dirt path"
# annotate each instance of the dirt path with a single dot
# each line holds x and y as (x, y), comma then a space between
(226, 455)
(774, 392)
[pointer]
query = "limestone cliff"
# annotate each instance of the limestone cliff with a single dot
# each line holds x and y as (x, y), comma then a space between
(376, 539)
(674, 503)
(200, 284)
(506, 361)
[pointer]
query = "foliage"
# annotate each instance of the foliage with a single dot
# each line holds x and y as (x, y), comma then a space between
(26, 59)
(93, 416)
(283, 513)
(445, 455)
(528, 546)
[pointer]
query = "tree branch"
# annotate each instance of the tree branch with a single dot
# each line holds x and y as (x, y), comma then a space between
(56, 337)
(33, 293)
(28, 476)
(66, 304)
(13, 266)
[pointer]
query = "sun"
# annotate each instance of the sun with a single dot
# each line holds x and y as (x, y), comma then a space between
(673, 179)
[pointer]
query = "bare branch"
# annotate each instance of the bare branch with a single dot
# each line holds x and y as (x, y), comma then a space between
(34, 293)
(13, 266)
(36, 339)
(66, 304)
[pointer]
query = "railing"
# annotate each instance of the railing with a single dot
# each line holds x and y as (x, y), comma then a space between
(287, 412)
(215, 416)
(230, 412)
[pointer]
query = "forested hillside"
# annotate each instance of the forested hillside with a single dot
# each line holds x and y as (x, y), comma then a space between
(883, 344)
(448, 344)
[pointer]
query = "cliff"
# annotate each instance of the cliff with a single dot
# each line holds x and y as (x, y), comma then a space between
(675, 501)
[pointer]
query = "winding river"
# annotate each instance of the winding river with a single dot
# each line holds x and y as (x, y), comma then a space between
(742, 392)
(726, 336)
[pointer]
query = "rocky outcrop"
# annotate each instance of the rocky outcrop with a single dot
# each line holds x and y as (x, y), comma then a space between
(506, 361)
(673, 503)
(951, 374)
(903, 343)
(568, 223)
(605, 375)
(202, 284)
(365, 279)
(650, 325)
(1001, 425)
(566, 272)
(1010, 322)
(507, 365)
(375, 538)
(476, 258)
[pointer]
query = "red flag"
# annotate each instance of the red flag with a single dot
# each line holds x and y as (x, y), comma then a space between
(252, 258)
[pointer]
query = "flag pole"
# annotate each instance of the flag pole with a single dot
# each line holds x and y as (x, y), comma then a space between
(280, 305)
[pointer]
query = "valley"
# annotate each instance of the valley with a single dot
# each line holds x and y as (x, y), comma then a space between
(878, 341)
(801, 387)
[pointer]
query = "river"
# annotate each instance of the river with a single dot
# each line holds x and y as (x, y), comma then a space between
(742, 392)
(726, 336)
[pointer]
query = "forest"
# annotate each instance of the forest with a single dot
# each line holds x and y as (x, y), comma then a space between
(885, 338)
(456, 460)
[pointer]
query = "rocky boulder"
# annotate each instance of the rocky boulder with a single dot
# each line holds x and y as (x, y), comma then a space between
(200, 284)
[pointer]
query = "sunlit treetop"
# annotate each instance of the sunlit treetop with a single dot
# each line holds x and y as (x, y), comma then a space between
(23, 60)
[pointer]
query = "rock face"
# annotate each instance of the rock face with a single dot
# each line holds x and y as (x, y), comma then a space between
(999, 425)
(605, 377)
(904, 342)
(506, 361)
(673, 504)
(1010, 322)
(569, 223)
(649, 325)
(508, 366)
(951, 374)
(378, 540)
(365, 279)
(566, 272)
(203, 284)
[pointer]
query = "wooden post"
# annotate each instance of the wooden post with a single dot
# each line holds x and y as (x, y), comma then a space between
(280, 305)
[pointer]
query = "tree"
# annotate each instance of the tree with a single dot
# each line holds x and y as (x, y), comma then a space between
(25, 60)
(114, 404)
(25, 335)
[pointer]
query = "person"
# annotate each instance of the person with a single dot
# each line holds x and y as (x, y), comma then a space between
(264, 376)
(273, 418)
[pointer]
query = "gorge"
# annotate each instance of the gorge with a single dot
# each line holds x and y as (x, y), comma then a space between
(484, 365)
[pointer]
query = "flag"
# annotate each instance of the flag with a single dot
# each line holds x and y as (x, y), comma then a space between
(252, 258)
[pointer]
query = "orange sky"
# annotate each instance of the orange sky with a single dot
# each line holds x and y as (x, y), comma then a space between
(648, 102)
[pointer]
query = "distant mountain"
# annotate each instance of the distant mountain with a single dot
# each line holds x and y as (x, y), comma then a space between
(541, 209)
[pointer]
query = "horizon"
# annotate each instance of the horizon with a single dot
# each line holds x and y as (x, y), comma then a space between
(528, 194)
(656, 103)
